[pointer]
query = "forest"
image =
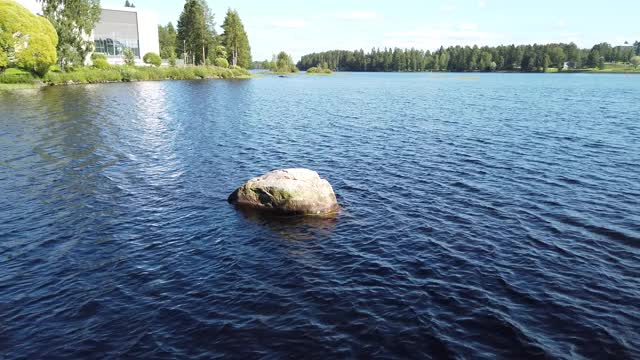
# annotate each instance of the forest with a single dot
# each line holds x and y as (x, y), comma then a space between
(195, 40)
(524, 58)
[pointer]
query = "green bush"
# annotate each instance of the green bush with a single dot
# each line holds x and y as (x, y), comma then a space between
(64, 77)
(16, 71)
(28, 41)
(318, 70)
(101, 64)
(96, 56)
(152, 59)
(201, 72)
(128, 73)
(221, 62)
(16, 76)
(131, 73)
(172, 60)
(129, 57)
(4, 59)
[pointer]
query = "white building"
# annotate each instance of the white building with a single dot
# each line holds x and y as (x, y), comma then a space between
(117, 29)
(124, 27)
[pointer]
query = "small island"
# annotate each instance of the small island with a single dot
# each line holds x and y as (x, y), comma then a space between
(282, 64)
(321, 69)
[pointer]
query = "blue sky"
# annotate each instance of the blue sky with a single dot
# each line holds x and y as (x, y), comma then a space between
(300, 27)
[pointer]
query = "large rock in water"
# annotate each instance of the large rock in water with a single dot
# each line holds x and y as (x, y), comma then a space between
(287, 191)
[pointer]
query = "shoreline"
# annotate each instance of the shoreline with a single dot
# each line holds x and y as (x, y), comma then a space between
(19, 79)
(12, 87)
(636, 72)
(40, 83)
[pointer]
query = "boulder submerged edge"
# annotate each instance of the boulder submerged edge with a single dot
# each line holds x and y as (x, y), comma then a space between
(295, 191)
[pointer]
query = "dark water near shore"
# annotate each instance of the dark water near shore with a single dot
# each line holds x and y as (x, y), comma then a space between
(490, 215)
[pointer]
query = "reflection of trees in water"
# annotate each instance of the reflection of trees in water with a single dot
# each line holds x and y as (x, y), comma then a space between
(63, 154)
(79, 119)
(292, 227)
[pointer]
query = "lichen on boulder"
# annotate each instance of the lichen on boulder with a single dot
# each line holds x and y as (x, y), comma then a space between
(287, 191)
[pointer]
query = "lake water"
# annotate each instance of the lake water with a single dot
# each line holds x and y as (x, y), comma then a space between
(488, 215)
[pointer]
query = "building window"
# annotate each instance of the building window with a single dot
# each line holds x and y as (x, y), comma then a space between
(116, 31)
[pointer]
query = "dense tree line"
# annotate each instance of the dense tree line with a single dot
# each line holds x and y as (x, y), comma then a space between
(195, 39)
(526, 58)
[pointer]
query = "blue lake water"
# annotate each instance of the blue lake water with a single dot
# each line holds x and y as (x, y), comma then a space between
(485, 216)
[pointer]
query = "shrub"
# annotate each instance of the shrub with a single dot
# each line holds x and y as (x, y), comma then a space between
(96, 56)
(133, 73)
(28, 41)
(128, 73)
(172, 59)
(318, 70)
(201, 72)
(221, 62)
(101, 64)
(4, 59)
(16, 76)
(152, 59)
(129, 57)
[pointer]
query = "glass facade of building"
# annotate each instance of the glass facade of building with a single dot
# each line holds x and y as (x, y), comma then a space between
(116, 31)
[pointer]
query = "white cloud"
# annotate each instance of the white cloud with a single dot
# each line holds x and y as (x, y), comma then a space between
(482, 3)
(358, 15)
(290, 24)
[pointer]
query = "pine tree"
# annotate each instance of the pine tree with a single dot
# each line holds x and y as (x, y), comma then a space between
(192, 32)
(234, 39)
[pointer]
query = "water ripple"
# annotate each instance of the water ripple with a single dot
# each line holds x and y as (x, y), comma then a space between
(500, 224)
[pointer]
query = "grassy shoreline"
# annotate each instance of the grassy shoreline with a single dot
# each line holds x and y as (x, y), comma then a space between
(14, 79)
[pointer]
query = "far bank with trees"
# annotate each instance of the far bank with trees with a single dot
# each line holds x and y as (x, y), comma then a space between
(513, 58)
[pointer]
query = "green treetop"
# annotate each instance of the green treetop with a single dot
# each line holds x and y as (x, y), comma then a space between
(73, 21)
(167, 37)
(235, 40)
(26, 40)
(284, 63)
(196, 34)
